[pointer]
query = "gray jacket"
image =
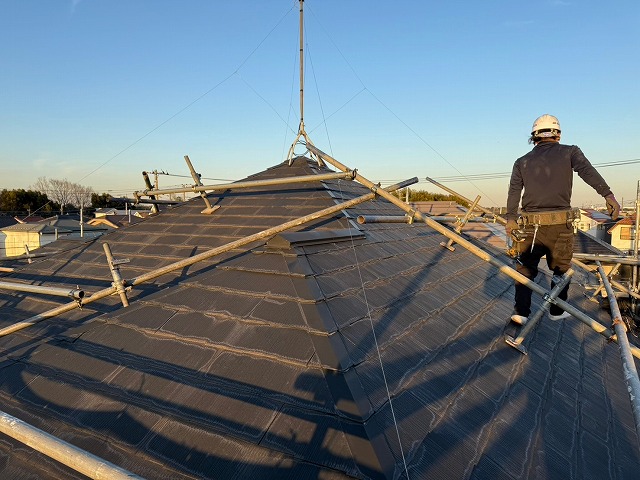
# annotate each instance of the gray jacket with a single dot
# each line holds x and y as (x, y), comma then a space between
(546, 175)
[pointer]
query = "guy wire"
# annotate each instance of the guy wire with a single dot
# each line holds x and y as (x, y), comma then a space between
(375, 340)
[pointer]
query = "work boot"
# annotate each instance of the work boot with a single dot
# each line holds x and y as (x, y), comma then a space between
(555, 318)
(519, 319)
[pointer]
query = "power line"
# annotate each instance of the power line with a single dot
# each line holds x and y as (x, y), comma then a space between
(494, 176)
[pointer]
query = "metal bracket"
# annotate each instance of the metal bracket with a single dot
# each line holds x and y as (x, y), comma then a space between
(549, 298)
(210, 210)
(118, 281)
(461, 224)
(196, 178)
(514, 343)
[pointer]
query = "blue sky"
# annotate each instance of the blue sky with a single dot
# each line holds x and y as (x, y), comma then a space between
(96, 91)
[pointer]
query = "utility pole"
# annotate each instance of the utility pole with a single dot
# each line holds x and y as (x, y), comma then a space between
(636, 239)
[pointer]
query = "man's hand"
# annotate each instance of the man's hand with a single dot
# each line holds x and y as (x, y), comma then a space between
(511, 225)
(613, 207)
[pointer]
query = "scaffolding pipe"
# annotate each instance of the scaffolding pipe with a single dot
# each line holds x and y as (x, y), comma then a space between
(478, 207)
(616, 284)
(137, 200)
(628, 364)
(362, 219)
(507, 270)
(202, 256)
(262, 235)
(636, 240)
(118, 282)
(251, 184)
(573, 260)
(196, 178)
(608, 258)
(73, 457)
(74, 293)
(461, 223)
(546, 305)
(453, 219)
(147, 182)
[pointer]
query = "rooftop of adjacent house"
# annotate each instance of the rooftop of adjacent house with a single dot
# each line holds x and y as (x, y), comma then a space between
(116, 221)
(624, 221)
(30, 219)
(439, 207)
(40, 228)
(110, 211)
(71, 223)
(330, 350)
(596, 215)
(7, 220)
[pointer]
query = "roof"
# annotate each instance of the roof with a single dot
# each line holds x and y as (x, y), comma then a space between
(116, 221)
(585, 243)
(110, 212)
(595, 215)
(106, 211)
(439, 207)
(623, 222)
(7, 220)
(261, 362)
(41, 228)
(30, 219)
(72, 223)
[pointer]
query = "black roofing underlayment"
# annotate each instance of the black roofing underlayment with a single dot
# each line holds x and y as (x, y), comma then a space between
(262, 363)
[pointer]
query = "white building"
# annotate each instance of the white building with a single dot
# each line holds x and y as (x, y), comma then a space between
(623, 234)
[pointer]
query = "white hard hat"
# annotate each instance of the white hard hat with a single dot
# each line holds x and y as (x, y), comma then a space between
(545, 126)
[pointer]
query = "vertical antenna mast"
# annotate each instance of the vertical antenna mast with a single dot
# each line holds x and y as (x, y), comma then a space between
(301, 127)
(302, 138)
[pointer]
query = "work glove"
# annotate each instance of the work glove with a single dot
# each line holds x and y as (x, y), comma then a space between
(613, 207)
(511, 225)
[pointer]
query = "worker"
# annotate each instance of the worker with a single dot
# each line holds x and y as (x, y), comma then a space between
(545, 224)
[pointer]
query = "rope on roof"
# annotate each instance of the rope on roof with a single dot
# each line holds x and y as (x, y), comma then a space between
(375, 341)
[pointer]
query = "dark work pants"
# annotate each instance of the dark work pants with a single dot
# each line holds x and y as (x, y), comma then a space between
(554, 241)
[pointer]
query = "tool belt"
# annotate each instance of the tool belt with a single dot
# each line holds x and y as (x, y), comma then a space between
(551, 217)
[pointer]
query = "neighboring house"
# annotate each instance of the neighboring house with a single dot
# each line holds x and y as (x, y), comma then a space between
(595, 223)
(30, 219)
(623, 234)
(115, 221)
(71, 223)
(260, 361)
(439, 207)
(34, 235)
(7, 221)
(105, 212)
(16, 239)
(492, 233)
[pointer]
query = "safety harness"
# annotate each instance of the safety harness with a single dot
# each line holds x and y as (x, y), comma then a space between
(537, 219)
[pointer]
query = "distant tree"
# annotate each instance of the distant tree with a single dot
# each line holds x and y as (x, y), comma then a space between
(20, 200)
(65, 193)
(81, 196)
(425, 196)
(105, 200)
